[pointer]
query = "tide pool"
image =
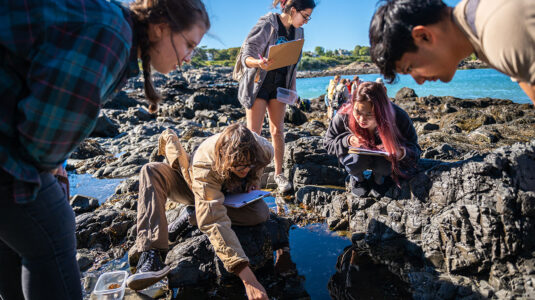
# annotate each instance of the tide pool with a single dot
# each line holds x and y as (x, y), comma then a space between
(469, 84)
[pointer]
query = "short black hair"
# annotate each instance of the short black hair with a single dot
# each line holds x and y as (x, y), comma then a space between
(391, 30)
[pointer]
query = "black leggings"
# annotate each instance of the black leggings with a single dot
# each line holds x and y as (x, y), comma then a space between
(38, 245)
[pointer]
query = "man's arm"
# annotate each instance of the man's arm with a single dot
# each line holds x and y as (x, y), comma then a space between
(529, 89)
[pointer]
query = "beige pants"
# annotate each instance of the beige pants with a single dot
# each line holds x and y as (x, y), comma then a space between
(159, 182)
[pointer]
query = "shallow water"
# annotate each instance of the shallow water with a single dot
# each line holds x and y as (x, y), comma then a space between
(87, 185)
(314, 249)
(470, 84)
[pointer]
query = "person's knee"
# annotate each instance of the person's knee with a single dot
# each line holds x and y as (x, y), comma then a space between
(354, 164)
(261, 213)
(277, 132)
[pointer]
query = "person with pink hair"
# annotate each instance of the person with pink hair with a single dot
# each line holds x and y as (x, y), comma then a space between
(371, 121)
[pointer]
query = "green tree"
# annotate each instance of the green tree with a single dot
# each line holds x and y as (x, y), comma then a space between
(364, 51)
(329, 53)
(356, 50)
(320, 51)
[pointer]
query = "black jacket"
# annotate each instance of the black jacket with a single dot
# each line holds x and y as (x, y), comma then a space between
(336, 139)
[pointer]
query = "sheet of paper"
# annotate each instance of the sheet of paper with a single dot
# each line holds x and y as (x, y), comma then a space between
(364, 151)
(241, 199)
(285, 54)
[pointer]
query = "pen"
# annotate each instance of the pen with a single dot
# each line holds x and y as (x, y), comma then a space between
(262, 58)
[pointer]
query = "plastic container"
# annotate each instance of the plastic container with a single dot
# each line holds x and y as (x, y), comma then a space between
(286, 96)
(111, 286)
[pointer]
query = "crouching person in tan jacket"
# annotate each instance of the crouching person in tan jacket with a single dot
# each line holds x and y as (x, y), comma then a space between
(229, 162)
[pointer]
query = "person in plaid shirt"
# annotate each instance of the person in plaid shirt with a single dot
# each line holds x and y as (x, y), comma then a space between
(60, 61)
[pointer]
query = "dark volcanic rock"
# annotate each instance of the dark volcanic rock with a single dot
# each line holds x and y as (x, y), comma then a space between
(82, 204)
(307, 162)
(294, 115)
(406, 93)
(463, 219)
(87, 149)
(105, 127)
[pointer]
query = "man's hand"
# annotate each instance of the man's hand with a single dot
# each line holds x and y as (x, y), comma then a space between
(253, 288)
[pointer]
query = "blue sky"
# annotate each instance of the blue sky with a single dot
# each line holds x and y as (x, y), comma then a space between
(335, 23)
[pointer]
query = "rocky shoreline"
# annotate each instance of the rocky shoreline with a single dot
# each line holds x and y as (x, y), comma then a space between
(461, 228)
(358, 68)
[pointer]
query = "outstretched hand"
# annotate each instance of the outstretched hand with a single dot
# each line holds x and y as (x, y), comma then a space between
(253, 288)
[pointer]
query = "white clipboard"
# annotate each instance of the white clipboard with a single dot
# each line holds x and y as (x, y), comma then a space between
(241, 199)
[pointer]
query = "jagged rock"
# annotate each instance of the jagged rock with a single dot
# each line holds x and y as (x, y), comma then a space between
(82, 204)
(306, 162)
(456, 220)
(121, 101)
(406, 93)
(103, 228)
(294, 115)
(105, 127)
(87, 149)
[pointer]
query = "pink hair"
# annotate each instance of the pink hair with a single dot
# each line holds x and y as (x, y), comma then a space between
(385, 118)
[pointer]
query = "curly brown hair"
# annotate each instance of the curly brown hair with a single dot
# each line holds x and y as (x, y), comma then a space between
(180, 15)
(236, 146)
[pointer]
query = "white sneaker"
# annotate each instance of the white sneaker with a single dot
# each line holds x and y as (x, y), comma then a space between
(283, 184)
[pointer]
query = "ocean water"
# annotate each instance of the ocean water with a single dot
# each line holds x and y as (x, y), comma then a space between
(469, 84)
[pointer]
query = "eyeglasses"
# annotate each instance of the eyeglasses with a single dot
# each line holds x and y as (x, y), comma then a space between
(365, 116)
(307, 18)
(242, 168)
(191, 46)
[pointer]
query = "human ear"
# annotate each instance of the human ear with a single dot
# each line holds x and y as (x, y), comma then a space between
(422, 35)
(156, 31)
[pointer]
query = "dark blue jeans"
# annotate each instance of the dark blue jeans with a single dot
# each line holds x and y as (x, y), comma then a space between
(38, 245)
(355, 164)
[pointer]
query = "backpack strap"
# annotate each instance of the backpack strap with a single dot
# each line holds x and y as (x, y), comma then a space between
(471, 8)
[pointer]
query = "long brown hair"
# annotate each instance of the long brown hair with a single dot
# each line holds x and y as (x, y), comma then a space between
(180, 15)
(237, 145)
(299, 5)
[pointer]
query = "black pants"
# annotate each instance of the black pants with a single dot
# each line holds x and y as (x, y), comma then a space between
(38, 245)
(355, 164)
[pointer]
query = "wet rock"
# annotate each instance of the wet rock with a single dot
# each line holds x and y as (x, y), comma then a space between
(307, 162)
(87, 149)
(103, 228)
(105, 127)
(406, 93)
(294, 115)
(121, 101)
(472, 218)
(82, 204)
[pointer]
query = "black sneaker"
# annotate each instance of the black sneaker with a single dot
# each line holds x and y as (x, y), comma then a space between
(359, 188)
(179, 226)
(379, 190)
(150, 269)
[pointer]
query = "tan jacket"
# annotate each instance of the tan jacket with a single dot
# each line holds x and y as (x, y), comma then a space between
(207, 187)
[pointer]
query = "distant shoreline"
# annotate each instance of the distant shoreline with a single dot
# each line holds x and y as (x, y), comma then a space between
(358, 68)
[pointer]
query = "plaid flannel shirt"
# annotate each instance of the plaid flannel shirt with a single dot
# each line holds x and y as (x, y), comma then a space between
(59, 60)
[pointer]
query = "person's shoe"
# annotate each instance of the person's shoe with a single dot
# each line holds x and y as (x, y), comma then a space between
(283, 183)
(150, 269)
(179, 226)
(359, 188)
(379, 190)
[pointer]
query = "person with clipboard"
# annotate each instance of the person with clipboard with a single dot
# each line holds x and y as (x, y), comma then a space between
(227, 163)
(258, 83)
(372, 133)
